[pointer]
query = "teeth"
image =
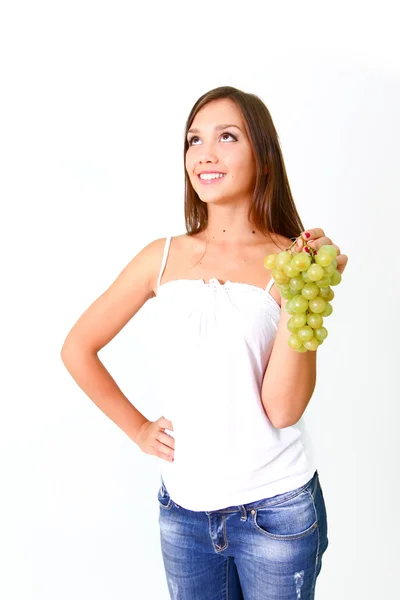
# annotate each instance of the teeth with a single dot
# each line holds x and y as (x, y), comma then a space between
(211, 175)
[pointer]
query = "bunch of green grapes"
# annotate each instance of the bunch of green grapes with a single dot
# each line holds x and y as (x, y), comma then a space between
(305, 281)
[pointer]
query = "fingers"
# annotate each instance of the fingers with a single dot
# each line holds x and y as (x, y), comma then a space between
(341, 260)
(315, 244)
(163, 451)
(164, 442)
(316, 240)
(166, 439)
(317, 232)
(299, 245)
(322, 241)
(165, 423)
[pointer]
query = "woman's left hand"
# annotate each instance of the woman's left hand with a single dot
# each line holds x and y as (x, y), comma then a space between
(316, 239)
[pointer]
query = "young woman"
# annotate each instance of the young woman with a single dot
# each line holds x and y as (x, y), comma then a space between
(242, 513)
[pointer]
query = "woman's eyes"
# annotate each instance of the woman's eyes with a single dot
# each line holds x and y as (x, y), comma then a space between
(225, 133)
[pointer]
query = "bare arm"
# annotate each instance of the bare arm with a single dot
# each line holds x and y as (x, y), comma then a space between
(93, 378)
(98, 325)
(289, 378)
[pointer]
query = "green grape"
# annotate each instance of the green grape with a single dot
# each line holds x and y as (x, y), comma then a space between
(317, 305)
(299, 304)
(311, 344)
(279, 277)
(320, 333)
(329, 270)
(327, 310)
(301, 261)
(327, 293)
(288, 295)
(314, 320)
(299, 319)
(315, 272)
(336, 278)
(323, 259)
(324, 282)
(301, 349)
(290, 271)
(329, 248)
(288, 307)
(283, 289)
(296, 283)
(306, 277)
(305, 333)
(291, 326)
(270, 261)
(294, 341)
(283, 258)
(310, 291)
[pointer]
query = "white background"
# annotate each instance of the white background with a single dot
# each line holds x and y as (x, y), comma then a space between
(94, 97)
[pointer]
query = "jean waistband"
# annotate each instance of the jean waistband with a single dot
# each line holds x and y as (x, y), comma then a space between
(311, 486)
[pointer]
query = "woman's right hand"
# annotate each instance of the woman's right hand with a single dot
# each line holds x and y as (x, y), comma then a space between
(152, 439)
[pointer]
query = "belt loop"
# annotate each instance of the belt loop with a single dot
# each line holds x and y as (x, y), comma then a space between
(243, 511)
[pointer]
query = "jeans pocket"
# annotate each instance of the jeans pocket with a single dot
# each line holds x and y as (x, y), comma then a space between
(164, 499)
(291, 519)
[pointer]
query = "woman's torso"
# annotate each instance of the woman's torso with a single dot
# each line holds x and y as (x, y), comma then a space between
(219, 314)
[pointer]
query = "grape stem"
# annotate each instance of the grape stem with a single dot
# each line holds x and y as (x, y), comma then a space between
(292, 244)
(305, 245)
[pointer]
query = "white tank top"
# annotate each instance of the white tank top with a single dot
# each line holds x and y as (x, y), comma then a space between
(215, 341)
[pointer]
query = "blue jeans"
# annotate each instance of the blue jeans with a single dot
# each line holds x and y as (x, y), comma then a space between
(270, 549)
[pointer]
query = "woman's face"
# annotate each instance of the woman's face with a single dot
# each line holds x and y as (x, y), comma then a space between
(225, 150)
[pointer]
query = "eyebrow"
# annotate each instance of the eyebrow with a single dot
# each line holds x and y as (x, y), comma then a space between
(217, 128)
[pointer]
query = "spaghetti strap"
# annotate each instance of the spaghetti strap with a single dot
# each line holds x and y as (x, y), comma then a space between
(270, 284)
(164, 259)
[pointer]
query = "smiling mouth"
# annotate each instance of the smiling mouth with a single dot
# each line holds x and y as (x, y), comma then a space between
(211, 180)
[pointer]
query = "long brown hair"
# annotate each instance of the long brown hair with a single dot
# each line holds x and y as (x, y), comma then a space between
(272, 209)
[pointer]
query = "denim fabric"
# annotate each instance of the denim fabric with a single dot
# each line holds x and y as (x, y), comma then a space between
(270, 549)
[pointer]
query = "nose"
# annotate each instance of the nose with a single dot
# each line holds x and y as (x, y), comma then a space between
(206, 152)
(207, 156)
